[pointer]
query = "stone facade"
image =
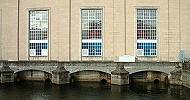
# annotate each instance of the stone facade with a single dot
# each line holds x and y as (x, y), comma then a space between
(113, 72)
(186, 74)
(60, 75)
(120, 76)
(6, 74)
(119, 28)
(119, 38)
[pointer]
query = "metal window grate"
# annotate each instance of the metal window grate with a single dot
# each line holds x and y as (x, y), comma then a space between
(91, 24)
(38, 32)
(147, 31)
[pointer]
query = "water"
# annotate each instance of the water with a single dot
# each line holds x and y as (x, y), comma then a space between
(91, 91)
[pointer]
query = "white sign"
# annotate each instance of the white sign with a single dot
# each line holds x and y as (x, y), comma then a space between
(126, 58)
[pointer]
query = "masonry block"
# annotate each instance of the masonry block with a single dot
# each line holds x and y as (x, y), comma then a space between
(6, 74)
(176, 77)
(60, 75)
(120, 76)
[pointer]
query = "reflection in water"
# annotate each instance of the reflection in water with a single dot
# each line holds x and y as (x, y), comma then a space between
(91, 91)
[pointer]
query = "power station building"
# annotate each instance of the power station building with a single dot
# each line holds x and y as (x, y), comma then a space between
(94, 30)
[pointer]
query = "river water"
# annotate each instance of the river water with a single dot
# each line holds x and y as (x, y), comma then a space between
(29, 90)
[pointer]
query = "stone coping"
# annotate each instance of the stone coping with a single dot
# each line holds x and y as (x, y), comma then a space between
(70, 63)
(54, 61)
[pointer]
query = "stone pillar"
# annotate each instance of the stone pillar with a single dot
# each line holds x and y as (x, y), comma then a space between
(60, 75)
(149, 77)
(176, 76)
(6, 74)
(186, 74)
(164, 77)
(120, 76)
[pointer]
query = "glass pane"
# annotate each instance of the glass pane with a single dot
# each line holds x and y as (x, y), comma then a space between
(38, 32)
(91, 30)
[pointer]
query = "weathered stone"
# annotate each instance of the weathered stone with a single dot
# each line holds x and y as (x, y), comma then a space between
(7, 75)
(186, 79)
(186, 74)
(120, 76)
(60, 75)
(61, 70)
(176, 77)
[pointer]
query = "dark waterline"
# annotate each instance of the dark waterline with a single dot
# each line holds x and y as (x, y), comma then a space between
(92, 91)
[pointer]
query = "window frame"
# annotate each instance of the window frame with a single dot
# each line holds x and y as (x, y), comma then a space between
(93, 41)
(43, 41)
(147, 40)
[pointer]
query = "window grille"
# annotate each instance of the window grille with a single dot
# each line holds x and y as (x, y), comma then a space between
(91, 24)
(147, 32)
(38, 32)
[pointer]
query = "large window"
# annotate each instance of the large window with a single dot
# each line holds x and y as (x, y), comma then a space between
(91, 24)
(146, 32)
(38, 32)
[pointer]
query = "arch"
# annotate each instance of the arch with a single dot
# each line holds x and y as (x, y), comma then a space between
(18, 71)
(146, 70)
(32, 75)
(48, 80)
(97, 70)
(103, 81)
(74, 69)
(89, 70)
(149, 76)
(156, 81)
(47, 69)
(147, 66)
(90, 75)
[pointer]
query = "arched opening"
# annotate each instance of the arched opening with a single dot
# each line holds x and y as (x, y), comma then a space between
(148, 76)
(90, 76)
(166, 80)
(156, 81)
(103, 81)
(32, 75)
(48, 80)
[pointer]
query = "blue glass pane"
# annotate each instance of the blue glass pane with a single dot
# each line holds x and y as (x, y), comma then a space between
(149, 48)
(94, 48)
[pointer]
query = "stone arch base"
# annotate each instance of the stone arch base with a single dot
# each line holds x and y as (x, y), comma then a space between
(32, 75)
(90, 75)
(148, 76)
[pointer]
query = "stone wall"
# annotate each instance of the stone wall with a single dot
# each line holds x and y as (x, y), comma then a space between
(186, 74)
(90, 76)
(32, 75)
(181, 75)
(149, 76)
(59, 72)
